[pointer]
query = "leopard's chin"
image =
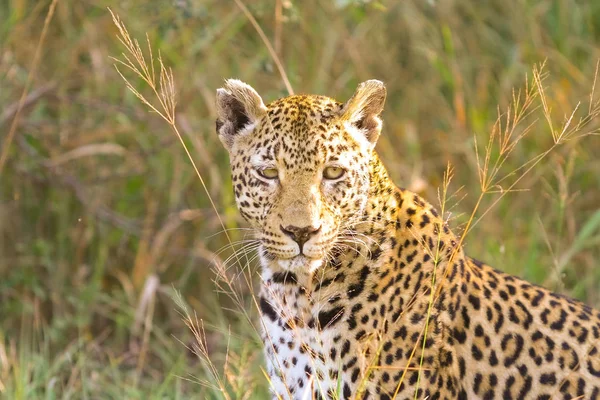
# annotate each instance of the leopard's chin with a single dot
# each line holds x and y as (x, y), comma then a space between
(300, 264)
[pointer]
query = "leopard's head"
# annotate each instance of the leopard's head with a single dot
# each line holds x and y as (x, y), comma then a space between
(300, 167)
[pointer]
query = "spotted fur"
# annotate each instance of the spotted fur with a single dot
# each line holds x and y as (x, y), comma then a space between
(366, 292)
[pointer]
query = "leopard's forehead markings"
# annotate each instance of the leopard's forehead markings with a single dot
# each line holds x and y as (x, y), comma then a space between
(300, 130)
(303, 115)
(304, 105)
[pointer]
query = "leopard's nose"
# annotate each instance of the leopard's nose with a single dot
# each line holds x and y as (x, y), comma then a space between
(300, 235)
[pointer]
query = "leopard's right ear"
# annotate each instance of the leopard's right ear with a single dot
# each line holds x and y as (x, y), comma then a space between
(362, 112)
(239, 107)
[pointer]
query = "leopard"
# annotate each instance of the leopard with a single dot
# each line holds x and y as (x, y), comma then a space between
(365, 291)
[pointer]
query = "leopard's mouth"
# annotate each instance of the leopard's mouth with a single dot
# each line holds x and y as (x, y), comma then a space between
(297, 263)
(300, 263)
(291, 251)
(282, 253)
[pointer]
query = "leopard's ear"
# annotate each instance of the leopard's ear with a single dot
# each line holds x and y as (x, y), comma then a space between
(238, 108)
(363, 109)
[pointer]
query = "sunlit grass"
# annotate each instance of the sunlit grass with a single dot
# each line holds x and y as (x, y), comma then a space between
(509, 129)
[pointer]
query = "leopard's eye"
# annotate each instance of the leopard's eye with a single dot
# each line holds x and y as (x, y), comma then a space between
(333, 172)
(268, 173)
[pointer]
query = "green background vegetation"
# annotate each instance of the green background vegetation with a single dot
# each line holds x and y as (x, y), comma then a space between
(103, 220)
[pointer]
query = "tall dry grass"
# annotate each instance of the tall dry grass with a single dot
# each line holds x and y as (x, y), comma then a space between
(511, 126)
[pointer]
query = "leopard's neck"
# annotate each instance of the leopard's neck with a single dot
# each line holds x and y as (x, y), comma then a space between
(400, 244)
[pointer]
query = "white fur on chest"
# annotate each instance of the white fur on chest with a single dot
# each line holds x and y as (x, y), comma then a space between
(301, 358)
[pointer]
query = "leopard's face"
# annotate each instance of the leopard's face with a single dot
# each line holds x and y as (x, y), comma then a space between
(297, 179)
(300, 170)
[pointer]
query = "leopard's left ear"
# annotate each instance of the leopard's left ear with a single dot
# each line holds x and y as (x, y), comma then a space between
(363, 109)
(239, 107)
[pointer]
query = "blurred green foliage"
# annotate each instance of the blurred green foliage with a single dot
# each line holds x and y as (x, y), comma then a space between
(98, 200)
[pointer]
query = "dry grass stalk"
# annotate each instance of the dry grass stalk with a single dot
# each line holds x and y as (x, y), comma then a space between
(163, 90)
(274, 54)
(503, 139)
(200, 347)
(28, 83)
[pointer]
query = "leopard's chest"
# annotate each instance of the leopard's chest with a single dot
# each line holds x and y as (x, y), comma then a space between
(305, 346)
(318, 344)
